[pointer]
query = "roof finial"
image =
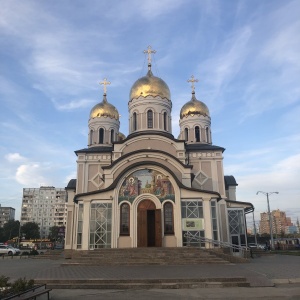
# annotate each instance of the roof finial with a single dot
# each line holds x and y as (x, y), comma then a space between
(149, 51)
(193, 80)
(105, 83)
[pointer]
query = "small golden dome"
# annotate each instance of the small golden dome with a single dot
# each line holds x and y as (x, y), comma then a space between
(121, 136)
(194, 107)
(149, 85)
(104, 109)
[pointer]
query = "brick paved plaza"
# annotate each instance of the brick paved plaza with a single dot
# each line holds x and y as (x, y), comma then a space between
(262, 273)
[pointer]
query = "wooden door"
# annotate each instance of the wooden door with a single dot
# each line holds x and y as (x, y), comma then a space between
(142, 238)
(149, 230)
(158, 229)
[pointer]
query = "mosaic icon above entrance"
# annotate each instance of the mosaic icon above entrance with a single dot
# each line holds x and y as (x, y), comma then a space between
(146, 181)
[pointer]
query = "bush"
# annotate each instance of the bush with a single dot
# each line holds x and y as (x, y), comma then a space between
(4, 281)
(20, 285)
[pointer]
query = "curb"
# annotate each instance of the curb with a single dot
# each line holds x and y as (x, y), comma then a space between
(286, 281)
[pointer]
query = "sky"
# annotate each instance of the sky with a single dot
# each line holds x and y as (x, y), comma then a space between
(245, 54)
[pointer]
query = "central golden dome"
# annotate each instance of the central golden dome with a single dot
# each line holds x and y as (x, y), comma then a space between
(104, 109)
(149, 85)
(194, 107)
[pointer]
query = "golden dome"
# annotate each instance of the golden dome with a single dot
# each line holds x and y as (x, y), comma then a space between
(121, 136)
(150, 85)
(104, 109)
(194, 107)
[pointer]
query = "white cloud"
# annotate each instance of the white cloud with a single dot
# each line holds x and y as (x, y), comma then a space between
(73, 175)
(31, 175)
(75, 104)
(14, 157)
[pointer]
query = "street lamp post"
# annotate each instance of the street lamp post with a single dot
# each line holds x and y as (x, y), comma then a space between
(270, 215)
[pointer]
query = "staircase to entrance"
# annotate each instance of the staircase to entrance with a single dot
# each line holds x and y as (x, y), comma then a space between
(145, 256)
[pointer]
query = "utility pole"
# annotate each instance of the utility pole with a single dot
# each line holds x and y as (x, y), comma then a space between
(270, 215)
(254, 227)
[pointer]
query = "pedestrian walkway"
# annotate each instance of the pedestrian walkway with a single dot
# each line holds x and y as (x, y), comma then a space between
(263, 271)
(264, 274)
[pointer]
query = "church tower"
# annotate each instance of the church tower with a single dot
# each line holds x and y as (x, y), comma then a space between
(150, 103)
(104, 122)
(195, 120)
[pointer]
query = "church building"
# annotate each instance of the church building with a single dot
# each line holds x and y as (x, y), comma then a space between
(150, 189)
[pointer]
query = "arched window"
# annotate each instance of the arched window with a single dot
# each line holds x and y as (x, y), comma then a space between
(101, 136)
(91, 137)
(186, 134)
(197, 134)
(134, 122)
(168, 218)
(165, 121)
(207, 134)
(112, 136)
(150, 118)
(124, 219)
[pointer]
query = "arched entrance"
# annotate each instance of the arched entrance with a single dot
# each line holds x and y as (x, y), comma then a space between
(149, 231)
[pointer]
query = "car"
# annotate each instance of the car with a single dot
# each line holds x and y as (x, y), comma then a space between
(16, 249)
(252, 245)
(6, 250)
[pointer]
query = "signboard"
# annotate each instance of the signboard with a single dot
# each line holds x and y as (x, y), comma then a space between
(192, 224)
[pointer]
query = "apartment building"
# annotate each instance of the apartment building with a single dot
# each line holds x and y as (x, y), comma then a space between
(6, 214)
(279, 222)
(45, 206)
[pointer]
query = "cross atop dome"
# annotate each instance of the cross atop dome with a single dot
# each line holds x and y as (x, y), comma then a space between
(104, 83)
(193, 80)
(149, 51)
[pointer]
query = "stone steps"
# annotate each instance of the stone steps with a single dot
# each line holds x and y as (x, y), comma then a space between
(145, 256)
(144, 283)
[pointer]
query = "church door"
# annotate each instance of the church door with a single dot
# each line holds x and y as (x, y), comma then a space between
(149, 228)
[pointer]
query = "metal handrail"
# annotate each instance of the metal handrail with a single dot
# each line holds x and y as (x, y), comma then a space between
(220, 244)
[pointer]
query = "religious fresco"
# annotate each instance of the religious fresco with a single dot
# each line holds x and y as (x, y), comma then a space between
(146, 181)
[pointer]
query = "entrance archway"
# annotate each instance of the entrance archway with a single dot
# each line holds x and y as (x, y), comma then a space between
(149, 230)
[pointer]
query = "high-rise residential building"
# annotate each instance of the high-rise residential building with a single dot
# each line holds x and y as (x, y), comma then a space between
(279, 222)
(6, 214)
(45, 206)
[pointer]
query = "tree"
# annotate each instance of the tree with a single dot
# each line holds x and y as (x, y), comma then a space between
(30, 230)
(53, 233)
(10, 230)
(57, 233)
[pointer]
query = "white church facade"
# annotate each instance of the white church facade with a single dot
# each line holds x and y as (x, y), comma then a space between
(149, 189)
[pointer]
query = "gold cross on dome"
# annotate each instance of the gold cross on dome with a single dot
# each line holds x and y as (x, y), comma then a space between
(193, 80)
(149, 51)
(105, 83)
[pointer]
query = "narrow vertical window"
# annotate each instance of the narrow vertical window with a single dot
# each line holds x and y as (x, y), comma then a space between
(214, 222)
(125, 218)
(91, 137)
(186, 134)
(168, 218)
(134, 122)
(112, 136)
(101, 136)
(207, 134)
(150, 118)
(197, 134)
(165, 121)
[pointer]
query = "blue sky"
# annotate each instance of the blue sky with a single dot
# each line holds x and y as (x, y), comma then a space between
(245, 54)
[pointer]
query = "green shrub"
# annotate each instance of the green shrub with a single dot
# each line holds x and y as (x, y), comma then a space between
(4, 281)
(21, 285)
